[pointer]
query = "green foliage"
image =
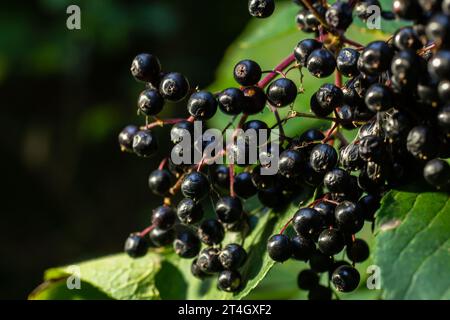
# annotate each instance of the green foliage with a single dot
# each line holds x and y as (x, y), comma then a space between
(413, 244)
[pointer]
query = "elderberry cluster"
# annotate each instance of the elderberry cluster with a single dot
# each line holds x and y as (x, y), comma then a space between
(396, 95)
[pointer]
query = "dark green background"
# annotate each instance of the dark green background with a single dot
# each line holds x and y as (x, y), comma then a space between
(69, 194)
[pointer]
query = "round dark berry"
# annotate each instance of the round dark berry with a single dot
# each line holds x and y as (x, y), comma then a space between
(186, 244)
(443, 91)
(272, 197)
(339, 15)
(328, 97)
(164, 217)
(437, 173)
(181, 130)
(208, 260)
(211, 232)
(229, 281)
(368, 205)
(320, 293)
(337, 180)
(229, 209)
(348, 217)
(358, 251)
(302, 248)
(326, 210)
(247, 72)
(279, 247)
(232, 101)
(254, 129)
(320, 262)
(349, 157)
(202, 105)
(144, 143)
(233, 256)
(261, 8)
(307, 279)
(150, 102)
(189, 211)
(255, 100)
(308, 222)
(345, 278)
(371, 148)
(290, 163)
(262, 181)
(422, 143)
(439, 65)
(331, 242)
(443, 118)
(407, 38)
(195, 186)
(173, 86)
(146, 67)
(304, 48)
(407, 9)
(159, 182)
(446, 7)
(396, 125)
(321, 63)
(126, 138)
(438, 29)
(161, 238)
(196, 271)
(136, 245)
(282, 92)
(323, 158)
(220, 176)
(307, 21)
(347, 62)
(375, 58)
(243, 185)
(378, 98)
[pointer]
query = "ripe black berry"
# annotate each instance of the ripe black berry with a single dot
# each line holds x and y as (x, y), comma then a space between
(443, 91)
(272, 197)
(438, 29)
(302, 247)
(255, 100)
(396, 125)
(282, 92)
(320, 293)
(173, 86)
(161, 238)
(348, 217)
(437, 173)
(439, 65)
(422, 143)
(339, 15)
(358, 251)
(349, 157)
(378, 98)
(189, 211)
(304, 48)
(208, 260)
(231, 101)
(307, 279)
(136, 245)
(181, 130)
(211, 232)
(202, 105)
(146, 67)
(186, 244)
(347, 62)
(159, 182)
(443, 118)
(337, 180)
(195, 186)
(326, 99)
(144, 143)
(233, 256)
(229, 281)
(290, 163)
(371, 148)
(279, 247)
(243, 185)
(247, 72)
(164, 217)
(326, 210)
(321, 63)
(308, 222)
(323, 158)
(150, 102)
(220, 176)
(345, 278)
(126, 138)
(262, 182)
(368, 205)
(407, 38)
(406, 9)
(228, 209)
(261, 8)
(375, 58)
(320, 262)
(196, 270)
(331, 242)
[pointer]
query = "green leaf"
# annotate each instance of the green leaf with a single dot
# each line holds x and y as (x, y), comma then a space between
(413, 244)
(117, 276)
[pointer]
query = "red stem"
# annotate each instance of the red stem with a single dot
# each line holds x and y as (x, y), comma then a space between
(283, 65)
(162, 164)
(286, 226)
(147, 230)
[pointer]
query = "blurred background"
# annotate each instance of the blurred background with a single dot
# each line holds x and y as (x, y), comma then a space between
(69, 193)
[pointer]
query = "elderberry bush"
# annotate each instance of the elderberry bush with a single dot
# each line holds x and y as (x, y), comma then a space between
(396, 94)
